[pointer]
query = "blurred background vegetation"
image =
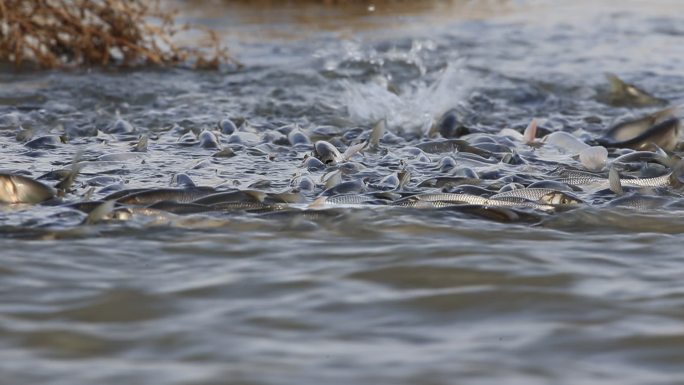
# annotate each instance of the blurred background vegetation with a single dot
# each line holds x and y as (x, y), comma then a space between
(68, 33)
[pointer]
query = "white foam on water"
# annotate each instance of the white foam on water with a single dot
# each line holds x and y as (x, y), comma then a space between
(414, 110)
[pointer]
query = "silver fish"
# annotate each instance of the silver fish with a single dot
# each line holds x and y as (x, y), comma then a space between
(664, 134)
(249, 206)
(141, 146)
(326, 152)
(579, 178)
(343, 201)
(230, 197)
(452, 145)
(544, 195)
(148, 197)
(631, 128)
(297, 137)
(208, 139)
(614, 182)
(640, 202)
(448, 197)
(21, 189)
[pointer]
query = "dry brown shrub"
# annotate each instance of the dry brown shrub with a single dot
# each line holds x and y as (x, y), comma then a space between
(60, 33)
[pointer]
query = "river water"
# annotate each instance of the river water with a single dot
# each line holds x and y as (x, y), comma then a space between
(350, 296)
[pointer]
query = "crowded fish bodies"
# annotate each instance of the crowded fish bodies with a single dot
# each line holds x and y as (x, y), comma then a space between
(508, 175)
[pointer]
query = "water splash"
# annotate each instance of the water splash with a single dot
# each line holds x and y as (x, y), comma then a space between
(412, 110)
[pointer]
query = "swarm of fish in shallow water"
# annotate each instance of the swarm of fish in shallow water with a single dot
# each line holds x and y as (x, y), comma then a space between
(474, 175)
(515, 175)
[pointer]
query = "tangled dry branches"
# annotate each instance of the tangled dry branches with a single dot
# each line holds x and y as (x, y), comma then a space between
(58, 33)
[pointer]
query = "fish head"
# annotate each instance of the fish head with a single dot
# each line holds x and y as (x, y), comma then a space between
(326, 152)
(560, 198)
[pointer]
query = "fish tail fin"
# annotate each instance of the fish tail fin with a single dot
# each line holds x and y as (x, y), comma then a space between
(530, 132)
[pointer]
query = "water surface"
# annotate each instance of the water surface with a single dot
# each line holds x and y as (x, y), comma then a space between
(367, 296)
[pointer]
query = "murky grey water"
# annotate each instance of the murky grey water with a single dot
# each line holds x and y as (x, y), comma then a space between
(368, 296)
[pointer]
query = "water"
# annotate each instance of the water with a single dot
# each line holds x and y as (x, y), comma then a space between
(378, 295)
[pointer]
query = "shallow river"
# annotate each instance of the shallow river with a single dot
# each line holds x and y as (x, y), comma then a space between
(347, 295)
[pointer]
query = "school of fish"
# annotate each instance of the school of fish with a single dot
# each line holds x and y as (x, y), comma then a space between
(508, 174)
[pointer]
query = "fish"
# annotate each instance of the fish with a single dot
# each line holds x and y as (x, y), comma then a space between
(450, 125)
(182, 180)
(118, 212)
(664, 134)
(208, 140)
(614, 182)
(659, 156)
(179, 208)
(341, 201)
(68, 180)
(148, 197)
(579, 178)
(46, 142)
(449, 181)
(452, 145)
(530, 134)
(248, 206)
(349, 187)
(448, 198)
(631, 128)
(120, 127)
(623, 94)
(376, 134)
(348, 201)
(21, 189)
(326, 152)
(226, 126)
(544, 195)
(639, 202)
(296, 137)
(99, 213)
(141, 145)
(230, 196)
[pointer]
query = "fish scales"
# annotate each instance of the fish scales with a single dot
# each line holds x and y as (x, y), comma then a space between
(447, 197)
(533, 194)
(578, 178)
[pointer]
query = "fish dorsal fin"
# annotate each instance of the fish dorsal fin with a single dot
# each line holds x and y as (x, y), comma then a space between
(352, 150)
(332, 179)
(288, 197)
(616, 84)
(100, 212)
(258, 196)
(141, 146)
(318, 203)
(614, 181)
(377, 133)
(65, 184)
